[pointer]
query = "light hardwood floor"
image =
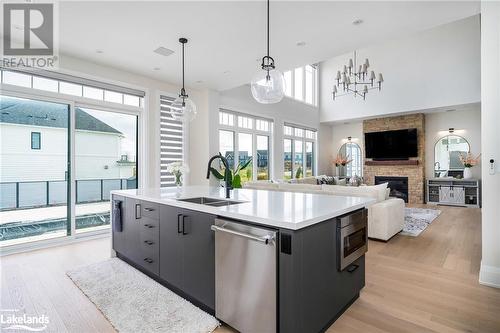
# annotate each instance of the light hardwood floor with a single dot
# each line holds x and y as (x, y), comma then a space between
(413, 284)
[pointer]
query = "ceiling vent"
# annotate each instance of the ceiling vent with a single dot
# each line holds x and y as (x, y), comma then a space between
(163, 51)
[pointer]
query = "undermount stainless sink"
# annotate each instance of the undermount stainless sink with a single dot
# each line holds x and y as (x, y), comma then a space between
(210, 201)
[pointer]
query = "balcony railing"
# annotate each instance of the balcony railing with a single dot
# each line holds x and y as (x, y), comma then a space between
(35, 194)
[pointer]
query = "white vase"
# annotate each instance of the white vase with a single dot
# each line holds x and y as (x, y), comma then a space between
(467, 173)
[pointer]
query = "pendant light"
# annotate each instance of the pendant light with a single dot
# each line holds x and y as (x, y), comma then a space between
(268, 85)
(183, 107)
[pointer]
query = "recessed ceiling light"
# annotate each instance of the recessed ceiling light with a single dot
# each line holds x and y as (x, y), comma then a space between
(301, 43)
(99, 51)
(357, 22)
(156, 68)
(163, 51)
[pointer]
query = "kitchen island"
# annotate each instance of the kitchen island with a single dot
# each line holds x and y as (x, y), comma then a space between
(261, 261)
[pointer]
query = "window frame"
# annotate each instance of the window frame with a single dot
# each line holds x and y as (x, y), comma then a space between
(304, 140)
(254, 132)
(39, 141)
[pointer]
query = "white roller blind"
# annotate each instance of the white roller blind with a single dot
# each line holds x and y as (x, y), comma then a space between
(171, 140)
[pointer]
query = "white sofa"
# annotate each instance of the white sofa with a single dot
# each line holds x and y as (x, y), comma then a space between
(385, 216)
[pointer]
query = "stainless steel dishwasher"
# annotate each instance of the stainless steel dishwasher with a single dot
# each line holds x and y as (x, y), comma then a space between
(245, 276)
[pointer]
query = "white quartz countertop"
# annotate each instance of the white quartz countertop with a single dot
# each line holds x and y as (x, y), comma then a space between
(290, 210)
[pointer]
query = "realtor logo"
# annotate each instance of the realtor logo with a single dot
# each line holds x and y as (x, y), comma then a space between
(29, 33)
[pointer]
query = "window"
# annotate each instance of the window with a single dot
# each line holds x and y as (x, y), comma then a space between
(299, 152)
(74, 86)
(36, 140)
(298, 84)
(171, 141)
(226, 146)
(301, 84)
(288, 83)
(352, 151)
(246, 138)
(287, 148)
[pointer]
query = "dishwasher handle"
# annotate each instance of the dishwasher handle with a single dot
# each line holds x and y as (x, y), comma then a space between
(264, 239)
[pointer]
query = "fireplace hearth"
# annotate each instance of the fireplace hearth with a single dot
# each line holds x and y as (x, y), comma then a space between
(398, 185)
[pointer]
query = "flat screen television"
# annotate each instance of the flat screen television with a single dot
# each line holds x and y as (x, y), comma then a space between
(391, 145)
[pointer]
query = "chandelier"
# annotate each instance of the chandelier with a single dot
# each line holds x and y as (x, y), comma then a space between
(357, 83)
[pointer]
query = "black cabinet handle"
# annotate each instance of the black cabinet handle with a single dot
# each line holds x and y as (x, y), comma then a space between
(149, 226)
(148, 260)
(147, 209)
(183, 225)
(137, 211)
(179, 223)
(352, 268)
(148, 242)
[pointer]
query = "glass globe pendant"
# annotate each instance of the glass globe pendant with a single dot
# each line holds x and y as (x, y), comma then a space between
(183, 108)
(268, 85)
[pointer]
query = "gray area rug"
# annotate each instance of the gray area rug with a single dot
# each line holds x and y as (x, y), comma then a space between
(417, 220)
(133, 302)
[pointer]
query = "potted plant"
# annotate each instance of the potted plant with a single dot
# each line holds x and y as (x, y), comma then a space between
(341, 161)
(235, 180)
(177, 169)
(469, 161)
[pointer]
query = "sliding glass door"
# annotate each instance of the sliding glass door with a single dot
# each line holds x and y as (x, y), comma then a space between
(34, 173)
(58, 164)
(105, 160)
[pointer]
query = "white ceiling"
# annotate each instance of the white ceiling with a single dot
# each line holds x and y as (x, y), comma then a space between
(227, 38)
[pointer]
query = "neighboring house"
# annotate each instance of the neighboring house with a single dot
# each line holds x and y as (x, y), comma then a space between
(34, 144)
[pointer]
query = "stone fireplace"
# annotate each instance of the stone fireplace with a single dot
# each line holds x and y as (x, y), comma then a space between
(412, 169)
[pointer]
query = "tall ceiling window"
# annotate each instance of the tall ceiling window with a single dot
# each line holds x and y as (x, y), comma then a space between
(302, 84)
(243, 137)
(299, 146)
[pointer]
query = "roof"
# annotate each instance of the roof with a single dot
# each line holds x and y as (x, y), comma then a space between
(41, 113)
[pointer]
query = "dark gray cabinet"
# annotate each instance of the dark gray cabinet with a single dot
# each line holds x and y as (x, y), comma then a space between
(187, 252)
(139, 239)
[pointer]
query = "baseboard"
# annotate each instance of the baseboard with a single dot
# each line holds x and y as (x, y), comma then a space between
(489, 276)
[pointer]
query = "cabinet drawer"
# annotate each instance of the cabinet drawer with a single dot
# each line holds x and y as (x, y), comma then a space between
(150, 210)
(149, 240)
(149, 224)
(149, 261)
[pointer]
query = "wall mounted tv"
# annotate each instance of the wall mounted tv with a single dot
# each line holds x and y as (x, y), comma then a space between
(392, 145)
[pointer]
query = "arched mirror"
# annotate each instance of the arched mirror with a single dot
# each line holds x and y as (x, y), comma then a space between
(447, 153)
(351, 151)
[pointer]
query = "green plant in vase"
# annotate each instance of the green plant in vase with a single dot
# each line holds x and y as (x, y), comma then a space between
(235, 180)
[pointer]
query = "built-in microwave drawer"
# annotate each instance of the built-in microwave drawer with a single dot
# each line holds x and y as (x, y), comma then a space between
(359, 216)
(352, 238)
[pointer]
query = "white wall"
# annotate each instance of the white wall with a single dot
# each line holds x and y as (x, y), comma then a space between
(467, 123)
(325, 150)
(21, 163)
(288, 110)
(490, 141)
(437, 67)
